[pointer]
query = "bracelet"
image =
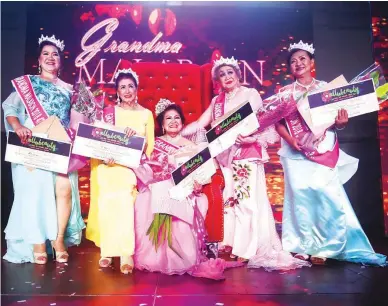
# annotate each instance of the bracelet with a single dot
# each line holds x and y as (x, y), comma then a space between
(339, 129)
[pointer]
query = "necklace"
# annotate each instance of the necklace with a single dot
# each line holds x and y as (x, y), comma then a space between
(298, 93)
(230, 95)
(306, 86)
(173, 139)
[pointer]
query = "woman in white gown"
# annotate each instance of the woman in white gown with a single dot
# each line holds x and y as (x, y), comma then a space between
(249, 227)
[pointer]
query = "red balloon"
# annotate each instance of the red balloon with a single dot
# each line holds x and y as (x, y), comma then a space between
(169, 22)
(162, 18)
(216, 55)
(136, 13)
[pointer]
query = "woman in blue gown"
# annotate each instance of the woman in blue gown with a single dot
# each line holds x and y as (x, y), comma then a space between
(318, 219)
(46, 205)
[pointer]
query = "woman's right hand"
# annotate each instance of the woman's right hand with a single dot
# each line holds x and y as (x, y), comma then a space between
(294, 143)
(109, 162)
(129, 132)
(23, 133)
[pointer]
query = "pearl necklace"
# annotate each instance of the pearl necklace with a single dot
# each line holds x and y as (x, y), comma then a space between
(305, 86)
(230, 95)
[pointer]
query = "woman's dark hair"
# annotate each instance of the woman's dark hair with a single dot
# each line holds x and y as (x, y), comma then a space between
(292, 52)
(123, 76)
(49, 43)
(175, 107)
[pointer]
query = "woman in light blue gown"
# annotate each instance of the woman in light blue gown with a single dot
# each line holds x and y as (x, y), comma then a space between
(46, 205)
(318, 218)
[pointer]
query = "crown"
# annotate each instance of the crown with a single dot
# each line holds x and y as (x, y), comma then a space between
(128, 71)
(60, 45)
(162, 105)
(224, 61)
(302, 46)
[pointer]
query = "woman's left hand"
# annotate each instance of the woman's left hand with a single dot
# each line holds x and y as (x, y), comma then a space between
(342, 119)
(245, 140)
(129, 132)
(197, 188)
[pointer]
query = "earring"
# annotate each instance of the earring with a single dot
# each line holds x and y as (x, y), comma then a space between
(163, 130)
(39, 70)
(59, 72)
(136, 100)
(118, 100)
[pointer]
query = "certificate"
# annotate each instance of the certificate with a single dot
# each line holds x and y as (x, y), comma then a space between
(357, 98)
(222, 136)
(199, 168)
(304, 107)
(104, 143)
(39, 152)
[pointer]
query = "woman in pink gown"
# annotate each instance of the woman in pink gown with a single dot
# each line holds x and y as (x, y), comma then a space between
(177, 246)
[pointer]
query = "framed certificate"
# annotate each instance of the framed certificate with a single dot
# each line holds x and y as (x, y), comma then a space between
(223, 135)
(357, 98)
(198, 168)
(103, 143)
(40, 152)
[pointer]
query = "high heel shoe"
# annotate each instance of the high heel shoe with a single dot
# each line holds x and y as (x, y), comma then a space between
(126, 264)
(105, 262)
(40, 258)
(60, 256)
(242, 260)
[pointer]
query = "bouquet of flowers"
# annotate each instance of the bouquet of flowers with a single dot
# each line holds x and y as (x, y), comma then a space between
(376, 73)
(86, 107)
(87, 103)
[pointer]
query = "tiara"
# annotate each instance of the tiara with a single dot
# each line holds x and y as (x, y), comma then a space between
(302, 46)
(128, 71)
(224, 61)
(162, 105)
(60, 45)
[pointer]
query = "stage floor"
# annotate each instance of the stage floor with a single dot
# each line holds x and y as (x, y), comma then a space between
(82, 282)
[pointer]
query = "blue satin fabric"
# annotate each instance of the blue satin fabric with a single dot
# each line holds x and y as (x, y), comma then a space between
(33, 218)
(318, 218)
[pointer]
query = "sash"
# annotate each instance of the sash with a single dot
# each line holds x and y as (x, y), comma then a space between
(37, 113)
(35, 110)
(253, 150)
(23, 87)
(299, 130)
(219, 106)
(108, 115)
(164, 146)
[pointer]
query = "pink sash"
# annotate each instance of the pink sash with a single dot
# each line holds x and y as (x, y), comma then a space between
(283, 106)
(37, 113)
(27, 94)
(164, 146)
(299, 130)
